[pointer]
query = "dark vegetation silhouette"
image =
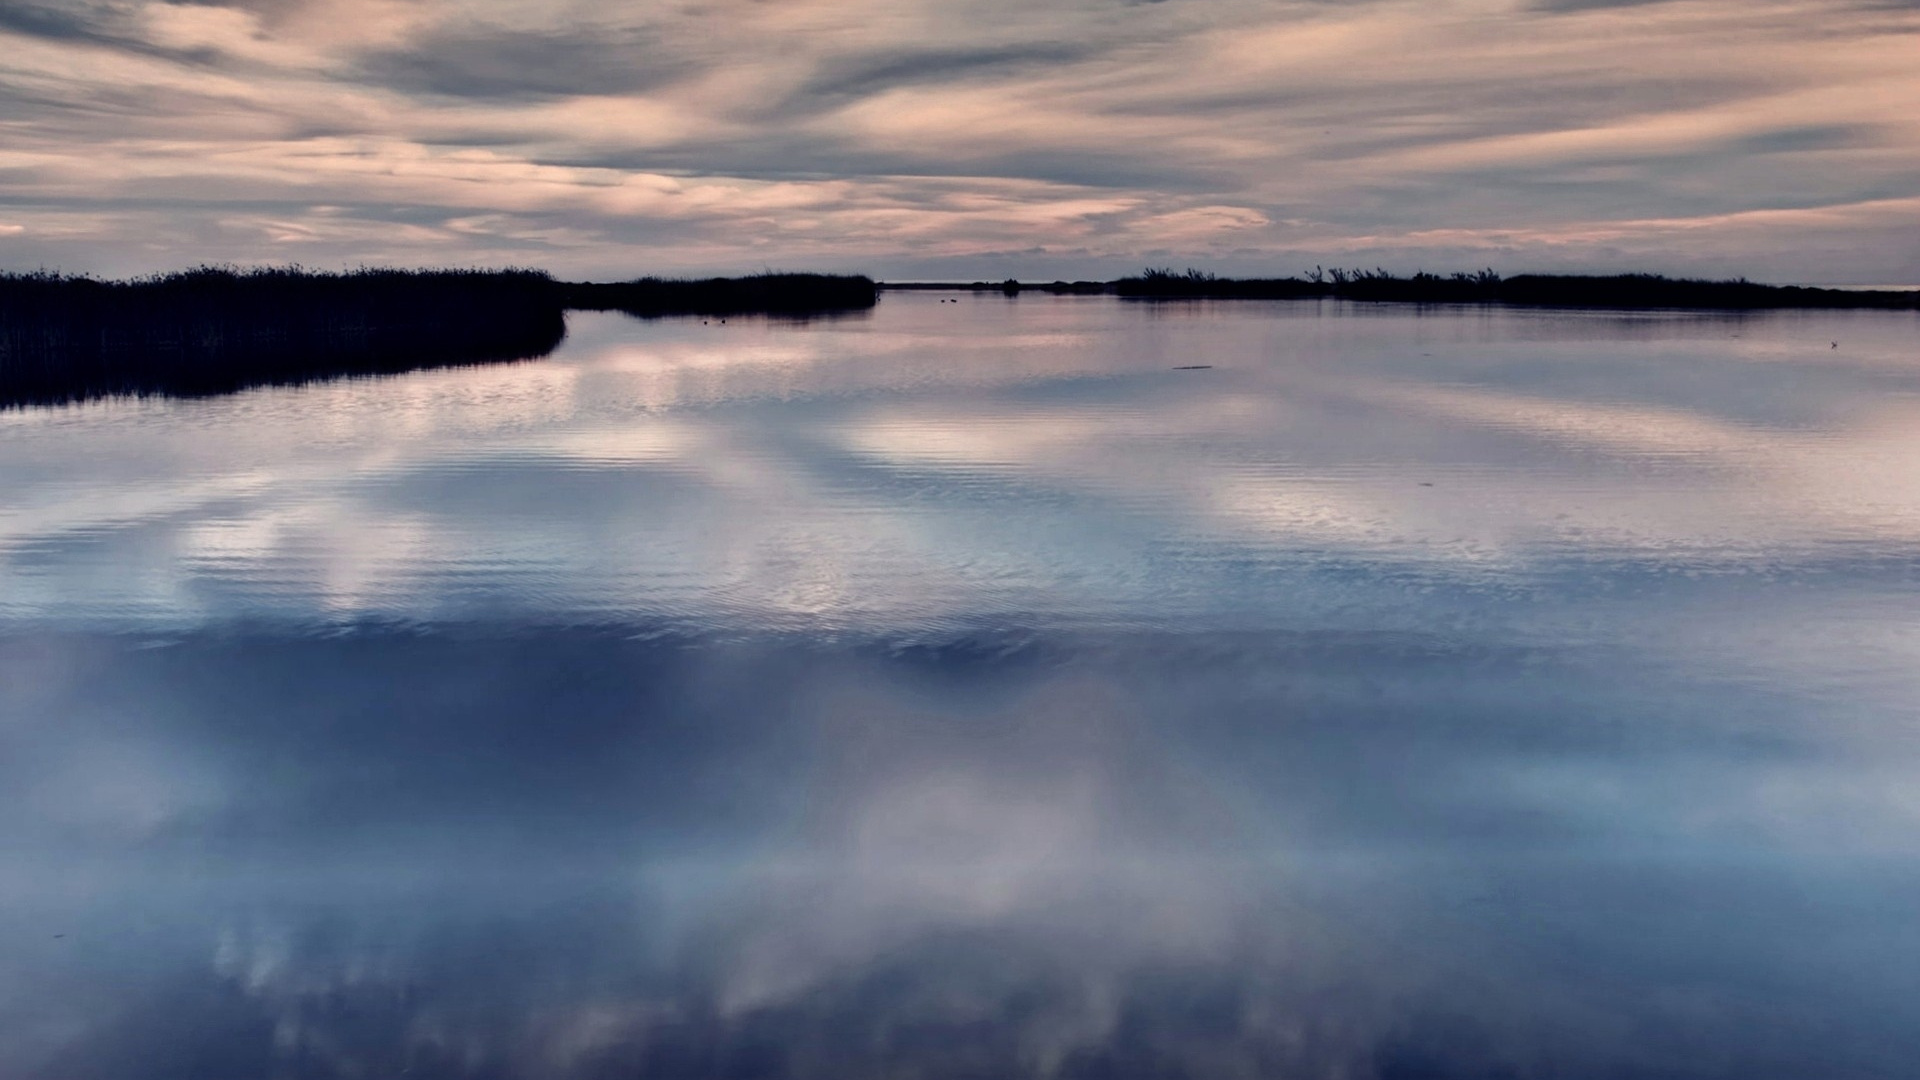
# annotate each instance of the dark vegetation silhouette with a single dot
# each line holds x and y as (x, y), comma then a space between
(769, 293)
(1628, 291)
(1632, 291)
(1010, 286)
(214, 330)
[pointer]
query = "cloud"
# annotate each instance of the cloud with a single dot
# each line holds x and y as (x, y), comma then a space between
(495, 63)
(862, 75)
(73, 22)
(846, 133)
(1591, 5)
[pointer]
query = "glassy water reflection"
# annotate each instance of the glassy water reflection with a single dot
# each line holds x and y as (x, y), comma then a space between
(963, 691)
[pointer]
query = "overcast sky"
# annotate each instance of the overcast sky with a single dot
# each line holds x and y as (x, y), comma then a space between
(1775, 138)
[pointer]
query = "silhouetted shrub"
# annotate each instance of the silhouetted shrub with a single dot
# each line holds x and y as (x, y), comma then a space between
(1642, 291)
(213, 330)
(787, 294)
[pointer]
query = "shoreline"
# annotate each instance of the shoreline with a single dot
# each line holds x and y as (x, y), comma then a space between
(216, 330)
(1624, 292)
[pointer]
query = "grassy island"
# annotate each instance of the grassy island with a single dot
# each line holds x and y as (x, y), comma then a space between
(1624, 291)
(214, 330)
(769, 294)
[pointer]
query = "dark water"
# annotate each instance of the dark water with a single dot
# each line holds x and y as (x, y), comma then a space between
(962, 691)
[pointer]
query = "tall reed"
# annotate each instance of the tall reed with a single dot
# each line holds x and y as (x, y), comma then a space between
(1631, 291)
(214, 329)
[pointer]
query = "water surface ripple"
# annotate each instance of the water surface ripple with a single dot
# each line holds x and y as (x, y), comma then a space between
(1051, 686)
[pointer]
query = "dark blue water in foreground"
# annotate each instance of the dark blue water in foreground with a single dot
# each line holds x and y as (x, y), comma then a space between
(961, 691)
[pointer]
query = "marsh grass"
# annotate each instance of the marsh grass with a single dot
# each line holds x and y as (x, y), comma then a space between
(1627, 291)
(213, 330)
(767, 293)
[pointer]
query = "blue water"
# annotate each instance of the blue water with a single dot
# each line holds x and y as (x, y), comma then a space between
(963, 690)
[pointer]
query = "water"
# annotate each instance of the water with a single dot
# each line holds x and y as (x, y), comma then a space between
(961, 690)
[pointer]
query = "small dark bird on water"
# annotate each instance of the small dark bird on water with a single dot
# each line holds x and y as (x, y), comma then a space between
(1836, 344)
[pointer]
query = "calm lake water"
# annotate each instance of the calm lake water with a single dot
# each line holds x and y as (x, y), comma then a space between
(962, 690)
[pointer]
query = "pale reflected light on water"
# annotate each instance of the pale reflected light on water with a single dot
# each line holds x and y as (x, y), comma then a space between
(962, 690)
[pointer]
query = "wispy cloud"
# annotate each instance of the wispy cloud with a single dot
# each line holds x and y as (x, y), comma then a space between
(905, 136)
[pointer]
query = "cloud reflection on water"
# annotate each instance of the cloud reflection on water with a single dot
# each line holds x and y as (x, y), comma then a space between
(579, 854)
(965, 691)
(1047, 463)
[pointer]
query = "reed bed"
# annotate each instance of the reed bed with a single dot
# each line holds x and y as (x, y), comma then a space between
(1624, 291)
(770, 293)
(213, 330)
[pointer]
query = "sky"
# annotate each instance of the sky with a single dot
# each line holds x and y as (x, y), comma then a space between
(1777, 139)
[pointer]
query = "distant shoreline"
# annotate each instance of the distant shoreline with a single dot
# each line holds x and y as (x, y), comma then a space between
(1632, 292)
(216, 330)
